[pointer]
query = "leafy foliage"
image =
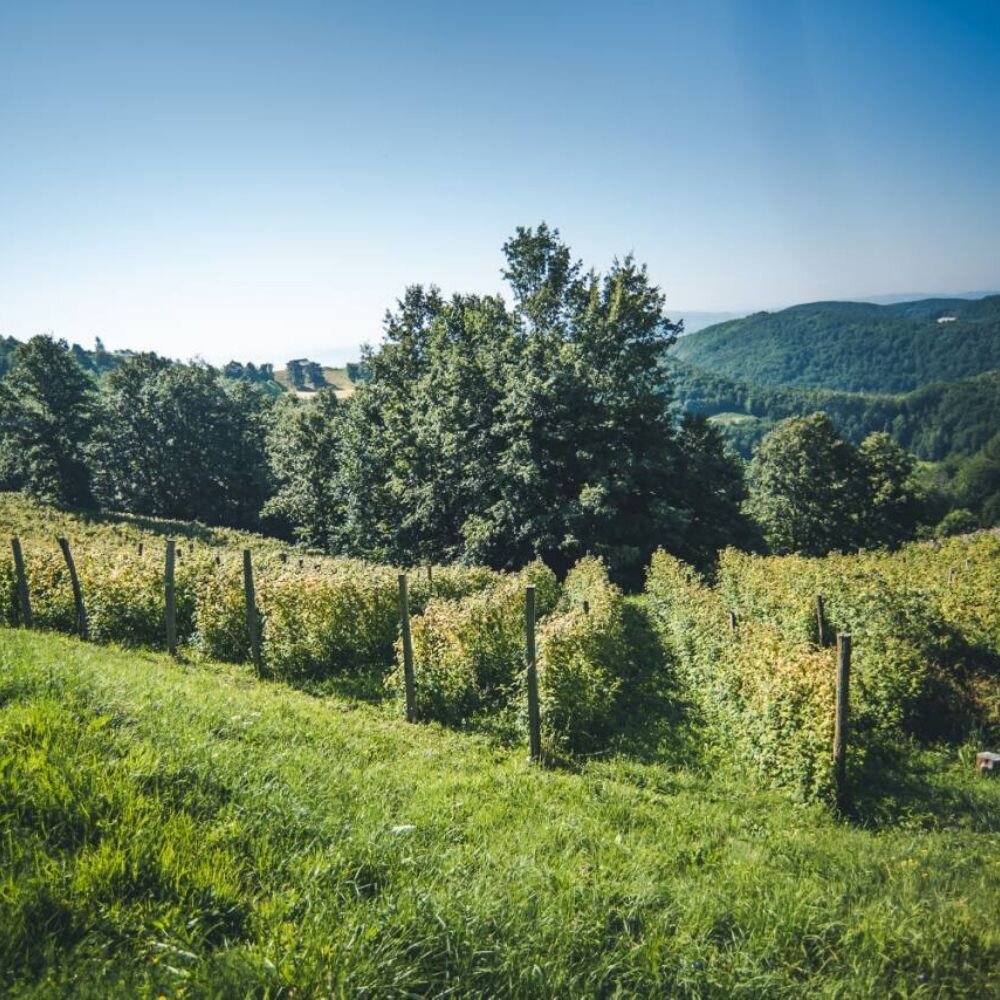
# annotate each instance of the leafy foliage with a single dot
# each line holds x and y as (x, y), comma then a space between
(813, 493)
(46, 412)
(498, 435)
(586, 665)
(303, 453)
(181, 442)
(925, 651)
(469, 652)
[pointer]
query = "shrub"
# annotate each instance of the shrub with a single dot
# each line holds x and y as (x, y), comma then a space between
(584, 663)
(468, 653)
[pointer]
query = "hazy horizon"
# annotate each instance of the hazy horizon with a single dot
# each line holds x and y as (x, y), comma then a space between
(210, 181)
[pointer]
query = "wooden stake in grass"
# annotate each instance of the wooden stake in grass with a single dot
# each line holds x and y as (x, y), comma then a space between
(820, 621)
(841, 720)
(253, 622)
(409, 686)
(170, 598)
(23, 600)
(430, 578)
(586, 607)
(531, 672)
(732, 622)
(140, 550)
(81, 611)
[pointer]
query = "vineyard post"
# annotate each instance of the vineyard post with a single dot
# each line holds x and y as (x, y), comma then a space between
(586, 607)
(170, 598)
(253, 622)
(81, 611)
(732, 622)
(24, 601)
(409, 686)
(821, 620)
(841, 720)
(531, 672)
(140, 550)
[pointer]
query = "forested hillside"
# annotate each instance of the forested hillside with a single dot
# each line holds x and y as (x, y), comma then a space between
(853, 346)
(933, 422)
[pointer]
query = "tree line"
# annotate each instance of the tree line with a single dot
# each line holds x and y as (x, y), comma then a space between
(485, 429)
(935, 422)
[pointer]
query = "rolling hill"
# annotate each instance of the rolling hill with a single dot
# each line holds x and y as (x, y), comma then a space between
(853, 346)
(933, 422)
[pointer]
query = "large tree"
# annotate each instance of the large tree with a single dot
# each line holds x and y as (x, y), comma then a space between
(180, 441)
(892, 505)
(46, 417)
(813, 492)
(303, 444)
(807, 488)
(498, 433)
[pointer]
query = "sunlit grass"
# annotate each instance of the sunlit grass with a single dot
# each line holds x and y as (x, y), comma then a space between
(183, 830)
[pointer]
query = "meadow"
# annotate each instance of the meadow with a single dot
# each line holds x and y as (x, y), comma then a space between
(181, 829)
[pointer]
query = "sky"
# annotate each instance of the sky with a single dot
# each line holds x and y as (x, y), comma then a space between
(262, 181)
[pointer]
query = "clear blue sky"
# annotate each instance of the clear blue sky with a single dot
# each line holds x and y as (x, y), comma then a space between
(262, 180)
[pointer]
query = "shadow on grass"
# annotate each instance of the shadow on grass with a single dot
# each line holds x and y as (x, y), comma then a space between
(927, 789)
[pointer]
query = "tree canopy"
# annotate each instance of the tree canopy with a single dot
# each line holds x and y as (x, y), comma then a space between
(812, 492)
(46, 415)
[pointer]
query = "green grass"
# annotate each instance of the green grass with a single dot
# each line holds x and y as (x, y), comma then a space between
(180, 830)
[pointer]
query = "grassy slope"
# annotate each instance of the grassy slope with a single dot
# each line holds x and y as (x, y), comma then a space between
(190, 831)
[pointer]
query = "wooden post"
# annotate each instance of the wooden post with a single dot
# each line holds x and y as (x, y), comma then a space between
(531, 671)
(23, 599)
(408, 680)
(81, 611)
(586, 607)
(140, 549)
(218, 559)
(732, 622)
(842, 719)
(820, 621)
(253, 623)
(430, 578)
(170, 598)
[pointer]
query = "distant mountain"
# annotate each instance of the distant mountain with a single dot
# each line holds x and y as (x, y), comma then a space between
(853, 346)
(888, 300)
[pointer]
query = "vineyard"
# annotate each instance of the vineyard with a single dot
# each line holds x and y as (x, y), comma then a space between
(185, 826)
(747, 663)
